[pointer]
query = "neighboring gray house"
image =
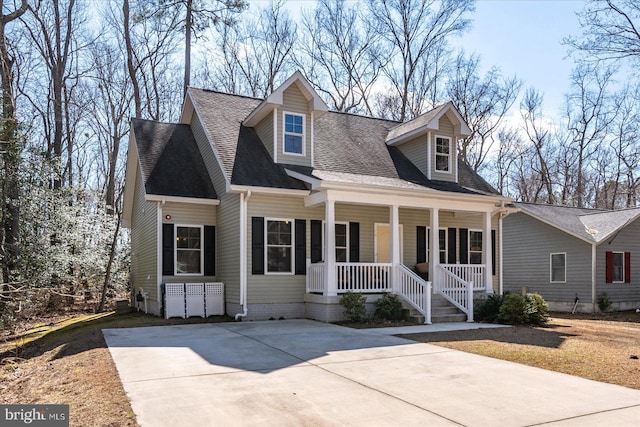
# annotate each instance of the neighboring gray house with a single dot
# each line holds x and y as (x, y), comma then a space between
(290, 205)
(563, 252)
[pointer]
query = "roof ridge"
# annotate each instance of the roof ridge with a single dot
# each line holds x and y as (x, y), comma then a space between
(157, 121)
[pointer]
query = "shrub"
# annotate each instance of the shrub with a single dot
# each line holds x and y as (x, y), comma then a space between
(354, 304)
(488, 310)
(537, 310)
(516, 309)
(513, 310)
(389, 307)
(604, 303)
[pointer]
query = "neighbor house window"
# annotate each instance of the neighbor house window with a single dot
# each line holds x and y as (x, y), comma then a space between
(475, 247)
(279, 253)
(293, 133)
(188, 250)
(443, 154)
(342, 243)
(618, 266)
(558, 268)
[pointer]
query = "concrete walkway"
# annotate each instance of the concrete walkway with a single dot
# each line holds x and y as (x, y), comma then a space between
(306, 373)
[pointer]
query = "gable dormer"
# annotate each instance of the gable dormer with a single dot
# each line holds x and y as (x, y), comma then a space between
(284, 121)
(430, 141)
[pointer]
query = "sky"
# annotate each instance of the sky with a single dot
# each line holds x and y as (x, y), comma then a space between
(524, 37)
(521, 37)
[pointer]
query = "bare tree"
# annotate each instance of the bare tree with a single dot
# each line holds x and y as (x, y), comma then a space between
(417, 33)
(256, 51)
(483, 102)
(611, 31)
(344, 55)
(589, 116)
(539, 136)
(10, 149)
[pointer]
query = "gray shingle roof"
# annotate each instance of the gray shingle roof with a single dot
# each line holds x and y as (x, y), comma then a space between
(170, 161)
(592, 225)
(414, 124)
(348, 148)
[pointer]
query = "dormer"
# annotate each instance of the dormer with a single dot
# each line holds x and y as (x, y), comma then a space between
(430, 141)
(284, 121)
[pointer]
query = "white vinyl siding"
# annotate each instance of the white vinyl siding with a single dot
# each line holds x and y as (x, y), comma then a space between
(416, 151)
(558, 267)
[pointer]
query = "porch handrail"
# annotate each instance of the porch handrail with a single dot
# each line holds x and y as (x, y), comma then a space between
(469, 273)
(315, 277)
(415, 291)
(455, 290)
(363, 277)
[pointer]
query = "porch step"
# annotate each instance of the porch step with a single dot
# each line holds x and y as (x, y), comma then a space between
(441, 311)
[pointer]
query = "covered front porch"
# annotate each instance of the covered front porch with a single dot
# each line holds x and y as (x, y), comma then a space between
(406, 257)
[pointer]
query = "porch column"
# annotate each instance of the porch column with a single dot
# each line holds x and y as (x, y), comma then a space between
(434, 244)
(486, 253)
(394, 236)
(330, 286)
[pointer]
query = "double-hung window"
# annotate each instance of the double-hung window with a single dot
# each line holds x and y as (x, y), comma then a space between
(618, 267)
(294, 134)
(443, 154)
(475, 247)
(279, 253)
(342, 242)
(189, 254)
(558, 267)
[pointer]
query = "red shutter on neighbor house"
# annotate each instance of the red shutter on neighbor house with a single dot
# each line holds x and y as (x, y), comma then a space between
(609, 266)
(627, 267)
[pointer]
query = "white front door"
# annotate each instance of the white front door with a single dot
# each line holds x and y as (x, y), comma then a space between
(382, 243)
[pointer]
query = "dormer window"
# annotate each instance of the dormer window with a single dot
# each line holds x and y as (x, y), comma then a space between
(443, 154)
(294, 134)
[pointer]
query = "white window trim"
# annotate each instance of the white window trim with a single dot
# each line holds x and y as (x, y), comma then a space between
(435, 154)
(446, 245)
(284, 133)
(623, 266)
(266, 247)
(469, 246)
(551, 267)
(175, 249)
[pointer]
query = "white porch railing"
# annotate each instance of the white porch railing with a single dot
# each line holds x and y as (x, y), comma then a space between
(455, 289)
(363, 277)
(469, 273)
(315, 277)
(415, 291)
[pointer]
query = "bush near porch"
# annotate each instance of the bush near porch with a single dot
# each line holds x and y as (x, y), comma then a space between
(513, 309)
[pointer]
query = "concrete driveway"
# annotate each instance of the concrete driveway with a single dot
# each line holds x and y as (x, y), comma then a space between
(306, 373)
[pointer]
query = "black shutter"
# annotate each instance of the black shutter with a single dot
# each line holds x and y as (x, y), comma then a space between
(316, 240)
(464, 246)
(421, 244)
(167, 249)
(301, 246)
(354, 242)
(209, 250)
(257, 245)
(451, 245)
(493, 252)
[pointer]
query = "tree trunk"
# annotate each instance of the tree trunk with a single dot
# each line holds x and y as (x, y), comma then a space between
(188, 22)
(130, 65)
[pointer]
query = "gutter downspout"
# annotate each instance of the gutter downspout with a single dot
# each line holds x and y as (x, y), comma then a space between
(593, 277)
(244, 201)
